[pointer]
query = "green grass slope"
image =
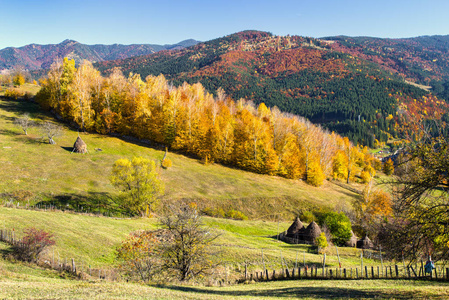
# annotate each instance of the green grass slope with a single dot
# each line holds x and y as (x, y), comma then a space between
(22, 282)
(52, 172)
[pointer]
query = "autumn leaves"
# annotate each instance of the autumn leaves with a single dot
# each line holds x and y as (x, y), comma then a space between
(189, 119)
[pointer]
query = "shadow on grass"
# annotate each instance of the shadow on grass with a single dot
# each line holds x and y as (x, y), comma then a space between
(9, 132)
(69, 149)
(301, 292)
(20, 107)
(91, 202)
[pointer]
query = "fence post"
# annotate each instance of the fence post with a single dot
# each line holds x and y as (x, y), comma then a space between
(447, 273)
(246, 271)
(397, 270)
(372, 272)
(366, 271)
(73, 266)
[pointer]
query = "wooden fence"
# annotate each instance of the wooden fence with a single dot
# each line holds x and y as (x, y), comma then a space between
(366, 272)
(81, 270)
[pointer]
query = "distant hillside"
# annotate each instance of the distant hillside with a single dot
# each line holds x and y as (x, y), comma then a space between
(331, 81)
(35, 57)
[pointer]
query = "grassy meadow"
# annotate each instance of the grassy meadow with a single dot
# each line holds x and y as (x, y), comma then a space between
(18, 281)
(34, 171)
(49, 172)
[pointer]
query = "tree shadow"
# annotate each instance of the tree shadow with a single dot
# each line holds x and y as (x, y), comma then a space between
(301, 292)
(91, 202)
(9, 132)
(21, 106)
(69, 149)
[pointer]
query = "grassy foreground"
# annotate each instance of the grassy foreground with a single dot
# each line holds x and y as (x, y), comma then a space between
(23, 282)
(47, 172)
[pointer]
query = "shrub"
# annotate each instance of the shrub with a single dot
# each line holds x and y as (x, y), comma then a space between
(307, 216)
(166, 163)
(321, 242)
(339, 226)
(236, 215)
(34, 242)
(214, 212)
(13, 93)
(138, 256)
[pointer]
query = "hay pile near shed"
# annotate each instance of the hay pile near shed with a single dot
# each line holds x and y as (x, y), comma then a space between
(79, 146)
(313, 231)
(352, 242)
(365, 243)
(295, 228)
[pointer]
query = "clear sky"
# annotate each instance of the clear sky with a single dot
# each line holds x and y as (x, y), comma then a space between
(166, 22)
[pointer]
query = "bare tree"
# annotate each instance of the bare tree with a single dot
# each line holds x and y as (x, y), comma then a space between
(187, 252)
(24, 122)
(51, 130)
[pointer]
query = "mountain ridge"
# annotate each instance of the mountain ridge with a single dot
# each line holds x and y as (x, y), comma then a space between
(41, 56)
(342, 84)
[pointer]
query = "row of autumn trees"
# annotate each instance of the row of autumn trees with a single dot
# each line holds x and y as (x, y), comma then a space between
(191, 120)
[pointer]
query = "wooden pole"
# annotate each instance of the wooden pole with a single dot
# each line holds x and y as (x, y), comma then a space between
(381, 260)
(263, 262)
(338, 256)
(361, 263)
(324, 262)
(296, 262)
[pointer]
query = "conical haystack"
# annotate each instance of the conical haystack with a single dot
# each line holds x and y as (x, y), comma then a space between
(295, 227)
(352, 242)
(79, 146)
(312, 231)
(365, 243)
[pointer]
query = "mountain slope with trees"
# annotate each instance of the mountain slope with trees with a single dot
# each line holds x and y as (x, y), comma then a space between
(36, 57)
(318, 79)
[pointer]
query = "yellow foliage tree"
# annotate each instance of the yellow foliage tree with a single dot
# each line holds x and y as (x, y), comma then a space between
(315, 175)
(139, 183)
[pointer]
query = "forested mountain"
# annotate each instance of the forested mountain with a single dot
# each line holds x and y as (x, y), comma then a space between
(35, 57)
(341, 83)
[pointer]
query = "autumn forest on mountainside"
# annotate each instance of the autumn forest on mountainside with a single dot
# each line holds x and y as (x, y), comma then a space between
(213, 128)
(318, 79)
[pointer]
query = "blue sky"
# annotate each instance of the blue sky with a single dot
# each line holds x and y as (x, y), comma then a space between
(167, 22)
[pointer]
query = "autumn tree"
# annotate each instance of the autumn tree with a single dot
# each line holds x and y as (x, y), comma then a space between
(24, 122)
(187, 252)
(373, 204)
(139, 256)
(51, 131)
(388, 167)
(421, 205)
(18, 79)
(139, 182)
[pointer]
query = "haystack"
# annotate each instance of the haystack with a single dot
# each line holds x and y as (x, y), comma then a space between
(312, 231)
(79, 146)
(365, 243)
(294, 229)
(352, 242)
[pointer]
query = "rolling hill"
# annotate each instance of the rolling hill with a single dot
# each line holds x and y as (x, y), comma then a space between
(36, 57)
(330, 81)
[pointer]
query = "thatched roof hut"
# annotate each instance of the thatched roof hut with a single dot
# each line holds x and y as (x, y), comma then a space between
(365, 243)
(295, 227)
(312, 231)
(352, 242)
(79, 146)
